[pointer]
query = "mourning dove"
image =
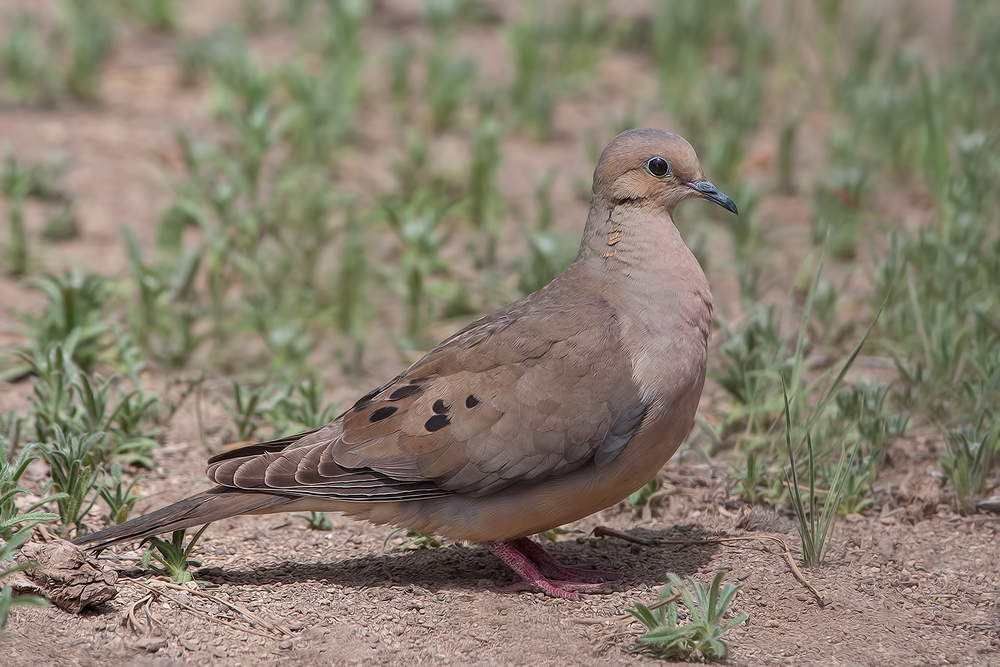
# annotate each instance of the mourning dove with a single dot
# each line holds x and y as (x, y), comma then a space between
(543, 412)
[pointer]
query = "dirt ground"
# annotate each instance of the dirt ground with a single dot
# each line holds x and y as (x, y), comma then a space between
(897, 588)
(910, 582)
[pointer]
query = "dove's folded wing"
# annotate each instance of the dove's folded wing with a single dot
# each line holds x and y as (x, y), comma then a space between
(507, 400)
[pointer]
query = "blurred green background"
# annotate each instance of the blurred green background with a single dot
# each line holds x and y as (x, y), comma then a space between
(300, 196)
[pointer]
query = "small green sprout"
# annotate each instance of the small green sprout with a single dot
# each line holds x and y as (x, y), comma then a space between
(701, 639)
(173, 555)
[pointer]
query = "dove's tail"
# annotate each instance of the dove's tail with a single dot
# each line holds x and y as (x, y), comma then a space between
(212, 505)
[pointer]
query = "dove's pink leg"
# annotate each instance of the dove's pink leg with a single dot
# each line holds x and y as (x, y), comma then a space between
(552, 568)
(532, 579)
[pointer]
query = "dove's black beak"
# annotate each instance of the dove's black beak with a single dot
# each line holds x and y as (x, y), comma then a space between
(706, 190)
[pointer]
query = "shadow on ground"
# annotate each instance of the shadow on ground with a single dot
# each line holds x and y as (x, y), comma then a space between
(473, 568)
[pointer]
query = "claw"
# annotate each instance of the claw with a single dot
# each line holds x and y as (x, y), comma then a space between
(553, 569)
(568, 590)
(540, 572)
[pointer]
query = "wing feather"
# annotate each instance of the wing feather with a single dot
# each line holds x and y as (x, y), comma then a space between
(509, 399)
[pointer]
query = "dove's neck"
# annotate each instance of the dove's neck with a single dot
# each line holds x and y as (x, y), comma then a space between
(642, 267)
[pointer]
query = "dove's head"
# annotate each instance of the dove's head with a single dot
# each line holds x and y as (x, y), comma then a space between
(653, 167)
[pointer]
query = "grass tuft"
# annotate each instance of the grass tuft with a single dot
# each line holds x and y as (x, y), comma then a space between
(706, 610)
(174, 556)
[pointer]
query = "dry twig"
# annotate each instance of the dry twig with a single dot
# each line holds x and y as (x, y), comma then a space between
(276, 631)
(601, 531)
(144, 603)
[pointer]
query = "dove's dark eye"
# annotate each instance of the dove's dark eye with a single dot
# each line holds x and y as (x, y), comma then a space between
(658, 167)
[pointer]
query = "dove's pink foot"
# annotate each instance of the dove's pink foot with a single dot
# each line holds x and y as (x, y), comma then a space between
(535, 565)
(553, 569)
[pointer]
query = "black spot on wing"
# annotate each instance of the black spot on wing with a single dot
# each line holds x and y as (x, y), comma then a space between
(382, 413)
(366, 400)
(404, 391)
(437, 422)
(439, 407)
(471, 401)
